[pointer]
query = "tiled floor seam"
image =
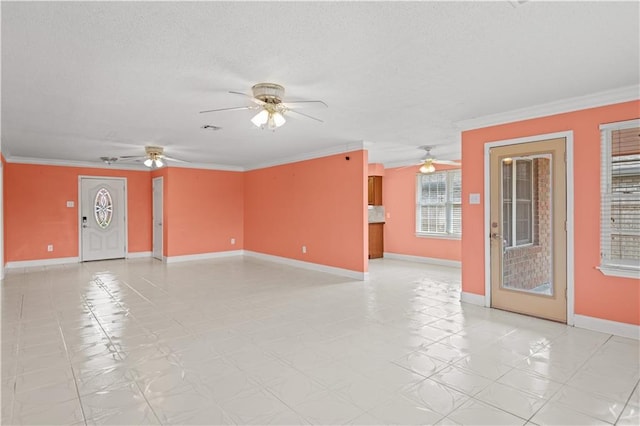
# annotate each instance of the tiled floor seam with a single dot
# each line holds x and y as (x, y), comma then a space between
(119, 356)
(73, 373)
(627, 402)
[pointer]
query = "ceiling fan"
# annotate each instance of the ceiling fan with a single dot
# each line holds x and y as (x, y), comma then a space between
(267, 100)
(154, 157)
(427, 161)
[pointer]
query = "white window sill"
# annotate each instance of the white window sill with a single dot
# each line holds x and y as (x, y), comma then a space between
(613, 271)
(439, 236)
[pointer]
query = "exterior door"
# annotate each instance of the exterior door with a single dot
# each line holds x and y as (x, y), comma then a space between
(102, 218)
(528, 229)
(157, 217)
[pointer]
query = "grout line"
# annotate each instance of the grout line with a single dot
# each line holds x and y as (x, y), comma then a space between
(626, 404)
(100, 284)
(73, 373)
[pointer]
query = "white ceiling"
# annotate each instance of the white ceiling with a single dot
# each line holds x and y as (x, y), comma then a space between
(84, 80)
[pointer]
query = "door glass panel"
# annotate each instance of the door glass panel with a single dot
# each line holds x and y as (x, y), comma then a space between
(103, 208)
(527, 224)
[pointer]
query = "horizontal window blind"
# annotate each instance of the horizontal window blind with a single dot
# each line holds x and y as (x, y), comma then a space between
(620, 196)
(439, 203)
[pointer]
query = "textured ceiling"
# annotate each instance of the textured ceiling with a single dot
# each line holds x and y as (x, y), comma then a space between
(84, 80)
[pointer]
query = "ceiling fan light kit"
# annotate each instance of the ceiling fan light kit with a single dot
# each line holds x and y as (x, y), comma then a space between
(427, 167)
(427, 162)
(154, 154)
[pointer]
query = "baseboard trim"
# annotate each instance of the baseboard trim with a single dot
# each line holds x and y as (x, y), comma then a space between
(138, 254)
(356, 275)
(41, 262)
(472, 298)
(421, 259)
(623, 329)
(203, 256)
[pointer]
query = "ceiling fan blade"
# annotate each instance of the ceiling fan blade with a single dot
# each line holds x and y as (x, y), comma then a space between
(125, 157)
(445, 162)
(306, 115)
(226, 109)
(304, 103)
(255, 100)
(164, 157)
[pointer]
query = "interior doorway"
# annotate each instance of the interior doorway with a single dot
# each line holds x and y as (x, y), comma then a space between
(528, 216)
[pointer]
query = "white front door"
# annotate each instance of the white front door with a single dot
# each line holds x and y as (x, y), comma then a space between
(157, 217)
(102, 218)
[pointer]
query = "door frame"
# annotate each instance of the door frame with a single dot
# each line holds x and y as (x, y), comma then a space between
(568, 135)
(153, 227)
(79, 211)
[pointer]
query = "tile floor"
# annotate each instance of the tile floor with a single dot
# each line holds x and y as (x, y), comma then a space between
(243, 341)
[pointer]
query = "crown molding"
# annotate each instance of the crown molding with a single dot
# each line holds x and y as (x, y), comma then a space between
(337, 149)
(211, 166)
(72, 163)
(115, 166)
(622, 94)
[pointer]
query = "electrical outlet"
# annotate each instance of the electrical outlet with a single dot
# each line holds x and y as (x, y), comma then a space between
(233, 241)
(304, 249)
(50, 247)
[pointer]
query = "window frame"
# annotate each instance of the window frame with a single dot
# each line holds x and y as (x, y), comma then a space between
(449, 205)
(612, 267)
(514, 204)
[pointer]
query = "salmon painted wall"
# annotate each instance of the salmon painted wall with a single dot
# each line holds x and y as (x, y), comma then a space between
(375, 169)
(399, 189)
(203, 210)
(320, 203)
(35, 211)
(596, 295)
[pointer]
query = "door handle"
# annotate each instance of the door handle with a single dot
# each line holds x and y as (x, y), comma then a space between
(495, 236)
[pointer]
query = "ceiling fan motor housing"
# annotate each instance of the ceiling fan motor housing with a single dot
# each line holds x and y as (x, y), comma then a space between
(153, 151)
(268, 92)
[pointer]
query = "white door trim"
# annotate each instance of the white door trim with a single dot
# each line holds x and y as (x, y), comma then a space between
(79, 211)
(154, 219)
(568, 135)
(1, 223)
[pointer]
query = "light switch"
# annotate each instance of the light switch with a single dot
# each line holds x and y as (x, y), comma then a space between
(474, 198)
(70, 203)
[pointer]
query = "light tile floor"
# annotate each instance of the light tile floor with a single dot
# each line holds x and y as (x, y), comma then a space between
(249, 342)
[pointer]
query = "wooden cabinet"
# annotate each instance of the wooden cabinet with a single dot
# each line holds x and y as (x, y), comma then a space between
(375, 190)
(376, 240)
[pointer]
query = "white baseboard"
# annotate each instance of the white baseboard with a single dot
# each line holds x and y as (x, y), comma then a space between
(472, 298)
(41, 262)
(421, 259)
(356, 275)
(203, 256)
(623, 329)
(138, 254)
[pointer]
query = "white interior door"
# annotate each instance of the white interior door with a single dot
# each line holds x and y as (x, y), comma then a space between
(157, 217)
(102, 218)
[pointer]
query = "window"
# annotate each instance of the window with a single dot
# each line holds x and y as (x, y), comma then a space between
(520, 190)
(103, 208)
(620, 199)
(439, 203)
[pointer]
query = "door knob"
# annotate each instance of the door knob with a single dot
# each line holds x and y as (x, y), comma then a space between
(496, 236)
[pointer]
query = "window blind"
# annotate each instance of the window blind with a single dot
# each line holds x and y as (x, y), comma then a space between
(439, 203)
(620, 195)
